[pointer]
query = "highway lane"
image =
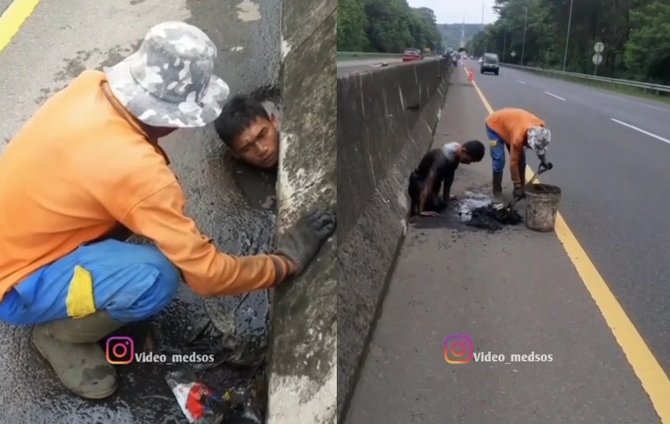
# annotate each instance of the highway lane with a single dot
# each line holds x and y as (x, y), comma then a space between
(641, 112)
(615, 181)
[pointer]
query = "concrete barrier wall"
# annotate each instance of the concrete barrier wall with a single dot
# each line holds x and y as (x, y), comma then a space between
(303, 345)
(385, 123)
(366, 55)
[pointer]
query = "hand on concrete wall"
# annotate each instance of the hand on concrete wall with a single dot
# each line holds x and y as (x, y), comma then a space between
(301, 242)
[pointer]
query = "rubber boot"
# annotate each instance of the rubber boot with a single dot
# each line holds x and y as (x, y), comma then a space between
(497, 187)
(70, 346)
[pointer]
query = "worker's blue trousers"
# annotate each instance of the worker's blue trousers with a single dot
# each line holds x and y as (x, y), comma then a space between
(497, 145)
(131, 282)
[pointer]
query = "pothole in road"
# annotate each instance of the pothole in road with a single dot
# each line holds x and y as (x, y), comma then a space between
(474, 211)
(472, 201)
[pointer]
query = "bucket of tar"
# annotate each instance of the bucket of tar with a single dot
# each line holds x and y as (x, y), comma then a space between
(542, 206)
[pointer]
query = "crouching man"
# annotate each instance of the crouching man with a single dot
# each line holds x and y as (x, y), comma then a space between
(87, 164)
(436, 170)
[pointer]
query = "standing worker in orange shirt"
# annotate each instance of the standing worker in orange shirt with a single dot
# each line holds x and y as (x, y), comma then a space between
(515, 130)
(87, 164)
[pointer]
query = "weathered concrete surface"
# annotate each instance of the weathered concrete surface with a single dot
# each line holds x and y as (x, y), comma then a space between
(514, 292)
(303, 355)
(386, 120)
(230, 203)
(4, 4)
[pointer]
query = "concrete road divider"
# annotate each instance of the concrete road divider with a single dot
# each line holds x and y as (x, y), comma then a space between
(385, 122)
(303, 352)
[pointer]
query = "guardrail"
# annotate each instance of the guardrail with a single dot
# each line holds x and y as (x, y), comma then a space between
(648, 87)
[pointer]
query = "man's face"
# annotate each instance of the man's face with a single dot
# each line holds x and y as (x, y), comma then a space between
(258, 145)
(463, 156)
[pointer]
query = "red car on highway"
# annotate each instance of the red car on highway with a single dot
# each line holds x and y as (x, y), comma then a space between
(411, 55)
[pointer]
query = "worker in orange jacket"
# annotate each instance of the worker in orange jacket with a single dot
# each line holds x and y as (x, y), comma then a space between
(515, 130)
(87, 164)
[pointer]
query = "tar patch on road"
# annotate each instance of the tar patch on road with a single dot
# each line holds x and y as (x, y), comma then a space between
(490, 218)
(471, 212)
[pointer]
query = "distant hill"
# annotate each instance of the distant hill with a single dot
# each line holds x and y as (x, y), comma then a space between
(451, 33)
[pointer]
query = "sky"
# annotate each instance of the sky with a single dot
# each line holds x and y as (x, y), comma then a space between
(454, 11)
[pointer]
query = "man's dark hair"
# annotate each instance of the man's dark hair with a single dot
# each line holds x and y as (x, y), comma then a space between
(237, 115)
(475, 150)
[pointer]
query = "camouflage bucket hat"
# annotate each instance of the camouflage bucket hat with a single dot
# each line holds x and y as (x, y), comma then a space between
(168, 82)
(539, 139)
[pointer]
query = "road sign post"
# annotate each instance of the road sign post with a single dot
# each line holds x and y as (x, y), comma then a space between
(598, 58)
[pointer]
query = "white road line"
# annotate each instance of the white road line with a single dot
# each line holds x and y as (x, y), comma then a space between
(553, 95)
(626, 99)
(658, 137)
(521, 82)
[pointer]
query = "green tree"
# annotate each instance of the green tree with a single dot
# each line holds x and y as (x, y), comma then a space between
(636, 34)
(647, 53)
(352, 26)
(389, 25)
(385, 26)
(423, 27)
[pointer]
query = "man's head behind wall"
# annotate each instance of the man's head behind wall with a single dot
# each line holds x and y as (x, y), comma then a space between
(249, 131)
(169, 81)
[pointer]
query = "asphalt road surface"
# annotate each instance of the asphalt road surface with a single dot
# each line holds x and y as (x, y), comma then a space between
(345, 67)
(610, 153)
(231, 204)
(515, 291)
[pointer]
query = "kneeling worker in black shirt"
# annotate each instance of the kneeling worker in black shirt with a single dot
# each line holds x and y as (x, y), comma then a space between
(435, 169)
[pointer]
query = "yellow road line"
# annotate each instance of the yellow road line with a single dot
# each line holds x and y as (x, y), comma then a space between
(12, 19)
(654, 380)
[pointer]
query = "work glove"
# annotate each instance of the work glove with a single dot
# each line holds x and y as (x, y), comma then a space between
(519, 192)
(301, 243)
